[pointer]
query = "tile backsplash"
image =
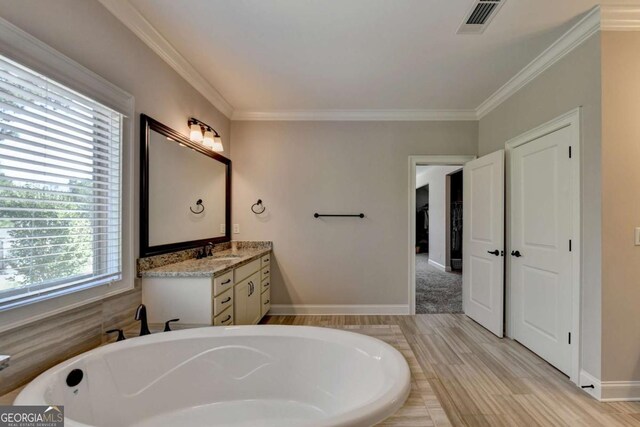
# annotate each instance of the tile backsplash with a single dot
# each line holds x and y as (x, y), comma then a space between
(38, 346)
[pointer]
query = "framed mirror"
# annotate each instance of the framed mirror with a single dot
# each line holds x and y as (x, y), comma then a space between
(185, 192)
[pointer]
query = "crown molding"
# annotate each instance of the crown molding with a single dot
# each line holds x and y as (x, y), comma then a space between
(620, 18)
(356, 115)
(133, 19)
(614, 18)
(573, 38)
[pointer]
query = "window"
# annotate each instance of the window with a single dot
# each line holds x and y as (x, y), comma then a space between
(60, 189)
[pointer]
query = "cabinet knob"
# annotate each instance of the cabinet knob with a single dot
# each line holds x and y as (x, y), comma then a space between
(226, 301)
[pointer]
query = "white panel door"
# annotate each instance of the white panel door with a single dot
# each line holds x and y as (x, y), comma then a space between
(540, 258)
(483, 241)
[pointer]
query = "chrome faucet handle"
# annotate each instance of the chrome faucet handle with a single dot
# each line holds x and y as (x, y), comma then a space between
(4, 362)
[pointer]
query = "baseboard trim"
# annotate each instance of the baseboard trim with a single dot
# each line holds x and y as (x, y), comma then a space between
(439, 266)
(610, 391)
(587, 379)
(620, 391)
(342, 309)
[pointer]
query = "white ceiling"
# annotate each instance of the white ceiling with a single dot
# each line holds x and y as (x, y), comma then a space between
(265, 55)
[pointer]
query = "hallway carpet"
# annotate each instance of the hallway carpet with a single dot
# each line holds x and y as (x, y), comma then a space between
(436, 291)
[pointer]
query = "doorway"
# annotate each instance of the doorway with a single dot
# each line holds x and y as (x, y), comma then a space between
(438, 239)
(436, 205)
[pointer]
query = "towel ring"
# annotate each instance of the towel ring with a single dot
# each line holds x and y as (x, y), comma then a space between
(255, 208)
(198, 203)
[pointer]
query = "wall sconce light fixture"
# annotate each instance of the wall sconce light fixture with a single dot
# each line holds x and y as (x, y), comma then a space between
(205, 134)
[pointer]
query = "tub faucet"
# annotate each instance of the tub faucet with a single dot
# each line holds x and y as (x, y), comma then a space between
(141, 315)
(4, 362)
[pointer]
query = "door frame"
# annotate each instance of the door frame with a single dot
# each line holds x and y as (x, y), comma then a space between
(414, 162)
(570, 119)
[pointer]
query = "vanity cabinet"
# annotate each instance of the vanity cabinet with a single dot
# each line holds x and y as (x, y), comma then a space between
(247, 301)
(195, 301)
(252, 293)
(237, 297)
(265, 284)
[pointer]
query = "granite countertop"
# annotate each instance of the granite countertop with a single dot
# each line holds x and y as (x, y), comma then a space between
(220, 263)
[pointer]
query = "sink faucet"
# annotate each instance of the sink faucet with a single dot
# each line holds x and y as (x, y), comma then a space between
(206, 251)
(141, 315)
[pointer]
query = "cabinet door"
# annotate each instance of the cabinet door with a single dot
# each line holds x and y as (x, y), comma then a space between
(247, 301)
(240, 303)
(254, 309)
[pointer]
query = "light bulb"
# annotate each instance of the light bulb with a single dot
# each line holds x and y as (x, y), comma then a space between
(217, 144)
(209, 139)
(196, 132)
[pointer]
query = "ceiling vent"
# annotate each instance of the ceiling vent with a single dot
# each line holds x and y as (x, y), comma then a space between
(480, 15)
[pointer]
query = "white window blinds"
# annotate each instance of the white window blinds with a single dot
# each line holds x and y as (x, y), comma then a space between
(60, 189)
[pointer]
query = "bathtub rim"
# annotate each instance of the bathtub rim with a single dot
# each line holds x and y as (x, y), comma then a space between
(376, 410)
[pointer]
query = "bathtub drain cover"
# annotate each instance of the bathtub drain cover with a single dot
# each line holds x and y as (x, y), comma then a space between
(75, 377)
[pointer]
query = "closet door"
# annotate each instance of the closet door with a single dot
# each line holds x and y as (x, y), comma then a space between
(541, 256)
(483, 241)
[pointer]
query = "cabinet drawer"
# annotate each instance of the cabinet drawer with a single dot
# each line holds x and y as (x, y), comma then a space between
(265, 260)
(246, 270)
(266, 284)
(265, 273)
(224, 319)
(265, 302)
(222, 283)
(222, 302)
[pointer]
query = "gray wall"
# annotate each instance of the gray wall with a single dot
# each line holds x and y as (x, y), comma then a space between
(621, 206)
(87, 33)
(298, 168)
(572, 82)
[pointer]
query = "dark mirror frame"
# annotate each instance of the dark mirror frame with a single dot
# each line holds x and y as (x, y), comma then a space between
(147, 124)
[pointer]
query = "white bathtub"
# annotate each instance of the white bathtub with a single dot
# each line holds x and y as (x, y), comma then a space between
(235, 376)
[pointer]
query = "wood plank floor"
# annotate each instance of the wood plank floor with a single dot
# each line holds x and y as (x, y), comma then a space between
(481, 380)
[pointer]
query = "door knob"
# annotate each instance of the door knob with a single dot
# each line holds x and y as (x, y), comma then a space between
(516, 254)
(496, 252)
